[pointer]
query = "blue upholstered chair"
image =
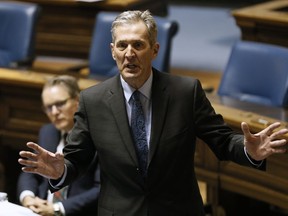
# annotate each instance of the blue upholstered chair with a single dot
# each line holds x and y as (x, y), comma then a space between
(167, 29)
(258, 73)
(17, 33)
(101, 62)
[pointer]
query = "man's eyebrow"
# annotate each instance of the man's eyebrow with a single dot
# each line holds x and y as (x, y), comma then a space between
(133, 41)
(120, 41)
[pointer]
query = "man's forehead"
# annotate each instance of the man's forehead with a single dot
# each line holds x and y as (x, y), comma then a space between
(131, 33)
(55, 92)
(131, 27)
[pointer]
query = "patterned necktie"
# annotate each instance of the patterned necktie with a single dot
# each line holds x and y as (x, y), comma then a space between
(139, 132)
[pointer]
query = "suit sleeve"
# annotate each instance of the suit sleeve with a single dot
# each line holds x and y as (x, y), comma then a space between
(85, 201)
(226, 143)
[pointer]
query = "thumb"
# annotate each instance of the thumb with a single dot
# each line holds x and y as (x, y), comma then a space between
(245, 130)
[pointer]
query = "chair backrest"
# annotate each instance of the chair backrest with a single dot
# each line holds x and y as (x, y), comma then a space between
(256, 72)
(101, 62)
(167, 29)
(17, 32)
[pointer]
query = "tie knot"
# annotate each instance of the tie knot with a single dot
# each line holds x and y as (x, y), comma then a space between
(136, 95)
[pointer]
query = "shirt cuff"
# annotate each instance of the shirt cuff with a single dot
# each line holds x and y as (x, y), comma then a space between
(61, 208)
(251, 160)
(24, 194)
(58, 185)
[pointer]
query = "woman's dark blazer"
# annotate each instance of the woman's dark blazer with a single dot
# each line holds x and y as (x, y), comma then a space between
(180, 113)
(82, 195)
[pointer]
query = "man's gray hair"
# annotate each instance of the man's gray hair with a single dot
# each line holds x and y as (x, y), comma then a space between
(128, 17)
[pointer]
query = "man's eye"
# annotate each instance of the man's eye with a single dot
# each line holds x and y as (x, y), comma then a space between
(121, 46)
(60, 103)
(138, 45)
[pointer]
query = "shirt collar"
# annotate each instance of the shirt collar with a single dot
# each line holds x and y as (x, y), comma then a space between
(145, 89)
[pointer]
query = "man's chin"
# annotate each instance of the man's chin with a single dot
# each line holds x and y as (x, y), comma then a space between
(60, 126)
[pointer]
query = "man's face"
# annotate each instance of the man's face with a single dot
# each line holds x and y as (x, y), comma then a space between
(59, 107)
(133, 54)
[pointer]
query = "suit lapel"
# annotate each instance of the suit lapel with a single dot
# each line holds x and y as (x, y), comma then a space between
(117, 102)
(160, 99)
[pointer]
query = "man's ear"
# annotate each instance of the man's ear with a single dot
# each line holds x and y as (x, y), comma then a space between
(112, 50)
(156, 49)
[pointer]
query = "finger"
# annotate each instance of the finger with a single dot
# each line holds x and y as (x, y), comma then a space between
(278, 143)
(35, 147)
(269, 130)
(29, 169)
(279, 133)
(33, 208)
(28, 163)
(245, 129)
(279, 150)
(28, 155)
(38, 149)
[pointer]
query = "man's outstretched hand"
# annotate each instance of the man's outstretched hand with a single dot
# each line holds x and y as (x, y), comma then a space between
(265, 143)
(42, 162)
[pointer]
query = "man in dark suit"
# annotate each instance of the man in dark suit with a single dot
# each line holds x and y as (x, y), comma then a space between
(60, 97)
(176, 112)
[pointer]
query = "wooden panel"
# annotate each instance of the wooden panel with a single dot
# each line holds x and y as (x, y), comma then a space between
(265, 22)
(21, 119)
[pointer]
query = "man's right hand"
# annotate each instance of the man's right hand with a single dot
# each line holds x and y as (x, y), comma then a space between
(42, 162)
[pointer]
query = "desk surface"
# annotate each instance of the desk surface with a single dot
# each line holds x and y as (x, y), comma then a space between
(257, 116)
(26, 77)
(271, 11)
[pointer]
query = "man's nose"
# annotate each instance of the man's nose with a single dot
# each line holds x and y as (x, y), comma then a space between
(130, 51)
(54, 109)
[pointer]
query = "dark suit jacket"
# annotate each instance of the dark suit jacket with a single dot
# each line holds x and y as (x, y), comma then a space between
(180, 113)
(82, 194)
